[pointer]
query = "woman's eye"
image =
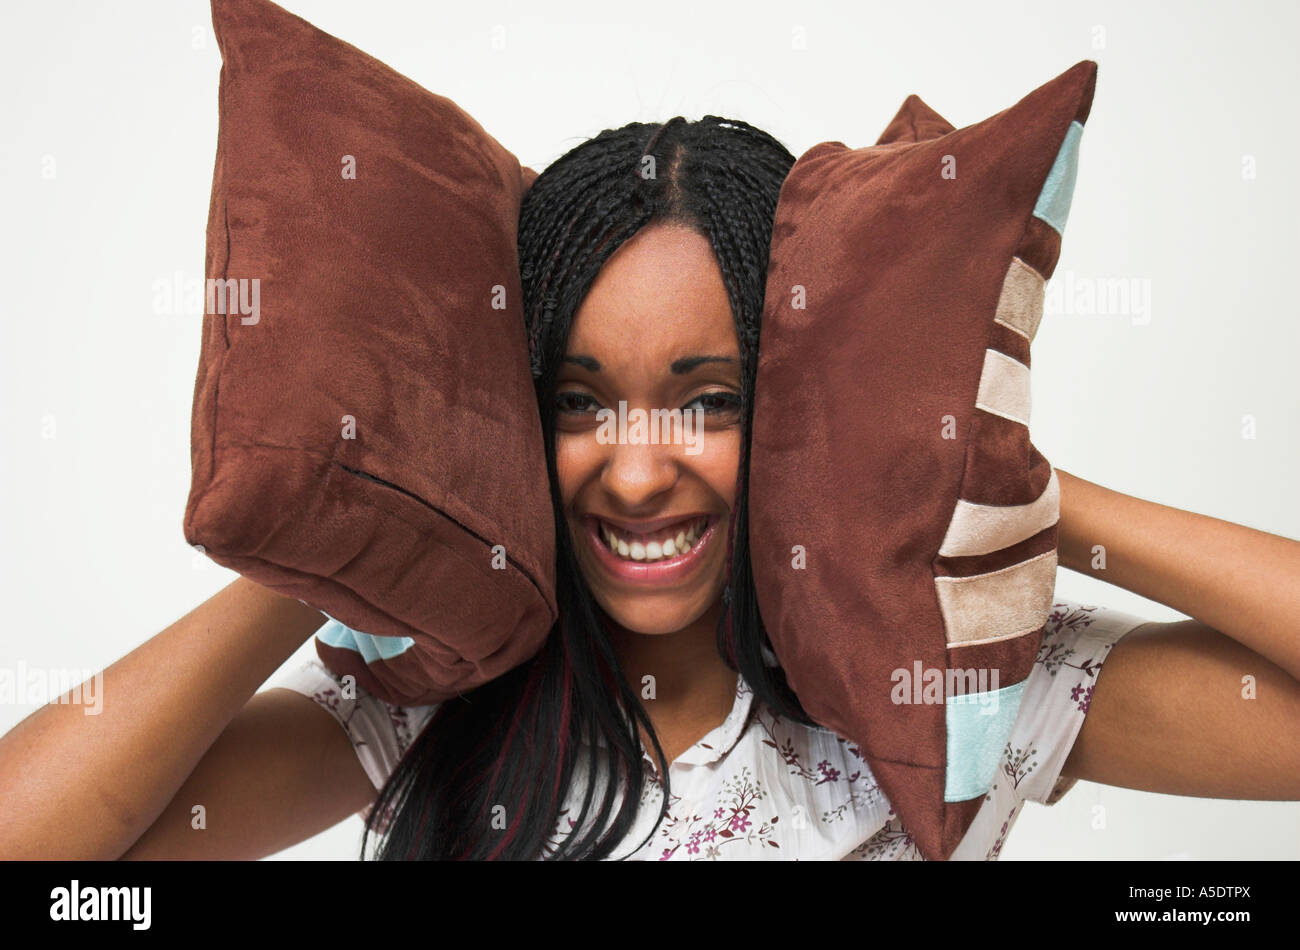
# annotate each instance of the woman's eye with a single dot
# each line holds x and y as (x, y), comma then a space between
(574, 402)
(714, 403)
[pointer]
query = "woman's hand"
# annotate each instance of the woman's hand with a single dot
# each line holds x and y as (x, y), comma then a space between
(1207, 707)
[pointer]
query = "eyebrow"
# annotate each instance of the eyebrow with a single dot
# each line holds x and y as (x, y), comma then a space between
(688, 363)
(679, 367)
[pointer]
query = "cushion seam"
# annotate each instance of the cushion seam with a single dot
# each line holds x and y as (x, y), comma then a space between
(533, 581)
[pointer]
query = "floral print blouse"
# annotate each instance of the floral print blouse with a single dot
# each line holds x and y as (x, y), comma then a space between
(760, 787)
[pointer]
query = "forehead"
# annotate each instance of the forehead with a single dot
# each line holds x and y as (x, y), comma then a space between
(658, 297)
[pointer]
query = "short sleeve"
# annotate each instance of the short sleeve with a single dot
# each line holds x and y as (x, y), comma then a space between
(1076, 641)
(379, 731)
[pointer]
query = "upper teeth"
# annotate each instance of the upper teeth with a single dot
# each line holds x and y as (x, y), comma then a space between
(668, 542)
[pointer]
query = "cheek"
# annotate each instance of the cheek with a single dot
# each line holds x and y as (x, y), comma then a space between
(718, 463)
(574, 463)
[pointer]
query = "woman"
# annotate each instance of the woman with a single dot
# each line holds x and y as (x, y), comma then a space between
(643, 253)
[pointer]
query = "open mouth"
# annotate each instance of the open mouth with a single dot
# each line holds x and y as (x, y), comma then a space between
(661, 554)
(657, 545)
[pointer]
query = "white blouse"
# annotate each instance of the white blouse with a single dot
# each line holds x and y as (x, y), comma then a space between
(761, 787)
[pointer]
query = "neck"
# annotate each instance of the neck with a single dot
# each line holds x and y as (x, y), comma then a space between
(691, 685)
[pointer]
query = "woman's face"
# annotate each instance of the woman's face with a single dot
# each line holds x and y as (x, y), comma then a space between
(650, 521)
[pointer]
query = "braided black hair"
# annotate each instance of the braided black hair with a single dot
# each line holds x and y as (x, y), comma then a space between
(488, 776)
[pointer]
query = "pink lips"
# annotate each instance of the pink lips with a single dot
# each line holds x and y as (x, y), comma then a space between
(664, 571)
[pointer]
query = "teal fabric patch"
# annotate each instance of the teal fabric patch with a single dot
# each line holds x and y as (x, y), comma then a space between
(1054, 200)
(335, 634)
(978, 727)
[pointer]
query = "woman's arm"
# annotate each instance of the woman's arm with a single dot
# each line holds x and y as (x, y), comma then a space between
(1237, 580)
(1209, 706)
(281, 772)
(90, 786)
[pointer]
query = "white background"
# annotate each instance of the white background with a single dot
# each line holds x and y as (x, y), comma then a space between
(122, 98)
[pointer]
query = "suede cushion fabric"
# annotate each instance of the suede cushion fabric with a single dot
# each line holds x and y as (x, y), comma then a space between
(365, 434)
(903, 525)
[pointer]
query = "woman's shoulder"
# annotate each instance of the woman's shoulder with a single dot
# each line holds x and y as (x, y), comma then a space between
(1073, 618)
(1077, 635)
(381, 732)
(1077, 639)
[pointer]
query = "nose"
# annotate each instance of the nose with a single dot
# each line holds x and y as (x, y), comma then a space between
(639, 474)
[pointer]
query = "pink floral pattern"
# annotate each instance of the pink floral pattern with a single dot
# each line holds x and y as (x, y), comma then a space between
(761, 787)
(733, 821)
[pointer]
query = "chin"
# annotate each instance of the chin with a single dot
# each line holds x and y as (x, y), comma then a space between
(650, 615)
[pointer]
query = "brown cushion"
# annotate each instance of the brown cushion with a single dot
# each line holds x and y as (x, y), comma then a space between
(901, 519)
(366, 434)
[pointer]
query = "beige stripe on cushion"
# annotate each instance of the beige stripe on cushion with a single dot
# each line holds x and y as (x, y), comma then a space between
(982, 529)
(1004, 387)
(999, 605)
(1020, 306)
